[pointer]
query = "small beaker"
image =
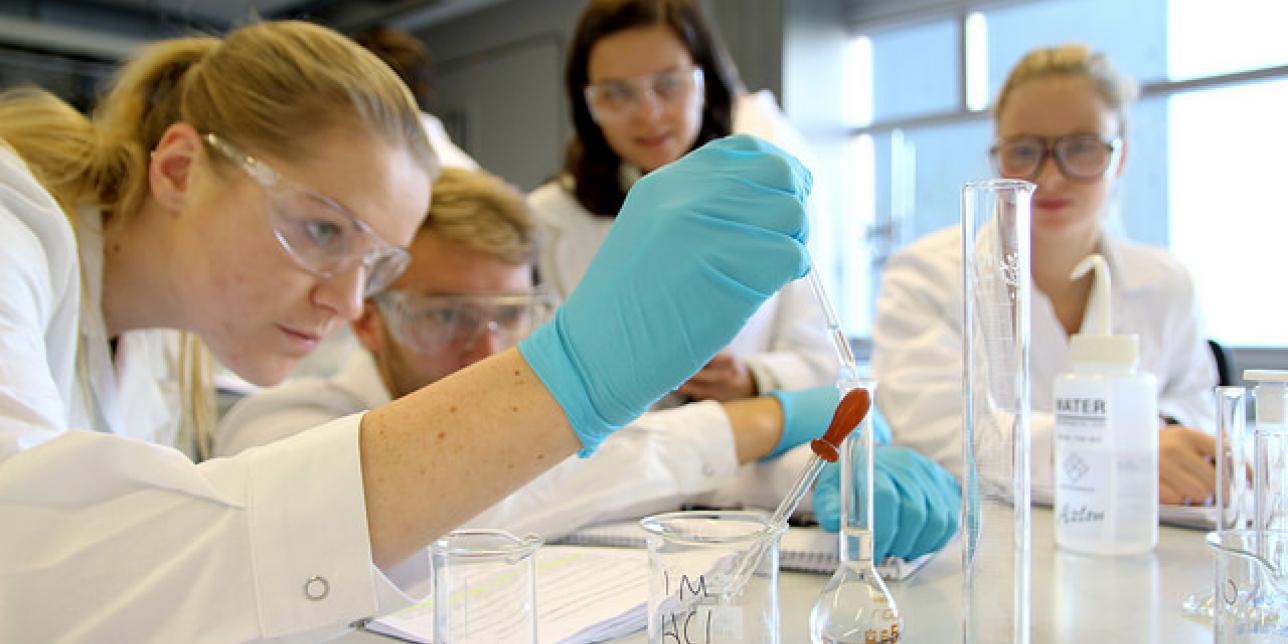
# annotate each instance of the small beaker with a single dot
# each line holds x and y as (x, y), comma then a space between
(484, 587)
(692, 558)
(1251, 597)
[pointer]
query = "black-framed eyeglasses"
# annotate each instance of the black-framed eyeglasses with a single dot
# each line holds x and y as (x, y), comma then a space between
(322, 236)
(620, 97)
(1081, 157)
(427, 324)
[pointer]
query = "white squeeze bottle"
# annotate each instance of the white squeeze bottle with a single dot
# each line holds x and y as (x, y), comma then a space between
(1106, 436)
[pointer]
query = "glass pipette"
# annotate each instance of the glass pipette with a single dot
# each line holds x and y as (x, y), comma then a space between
(849, 414)
(849, 368)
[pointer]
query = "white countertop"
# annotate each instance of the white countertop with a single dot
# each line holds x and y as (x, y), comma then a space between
(1077, 599)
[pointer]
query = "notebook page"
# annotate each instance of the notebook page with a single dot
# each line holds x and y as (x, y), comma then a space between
(583, 595)
(803, 549)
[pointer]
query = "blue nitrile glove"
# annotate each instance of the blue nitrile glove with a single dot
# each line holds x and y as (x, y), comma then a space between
(697, 247)
(916, 503)
(806, 415)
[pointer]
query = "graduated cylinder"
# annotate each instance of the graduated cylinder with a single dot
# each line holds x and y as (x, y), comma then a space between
(995, 410)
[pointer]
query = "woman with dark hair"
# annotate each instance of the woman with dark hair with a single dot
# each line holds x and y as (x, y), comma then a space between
(648, 81)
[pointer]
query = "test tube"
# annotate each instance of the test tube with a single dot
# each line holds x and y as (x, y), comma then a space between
(1231, 460)
(995, 411)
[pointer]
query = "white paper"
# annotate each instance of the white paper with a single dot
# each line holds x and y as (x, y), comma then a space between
(583, 595)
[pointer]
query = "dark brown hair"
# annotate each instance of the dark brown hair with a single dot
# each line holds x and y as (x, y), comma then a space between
(589, 159)
(406, 55)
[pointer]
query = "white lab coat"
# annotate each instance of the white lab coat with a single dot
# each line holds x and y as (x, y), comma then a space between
(785, 344)
(449, 154)
(108, 533)
(655, 463)
(917, 344)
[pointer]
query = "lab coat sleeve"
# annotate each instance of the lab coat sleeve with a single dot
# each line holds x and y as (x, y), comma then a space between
(655, 464)
(800, 354)
(763, 484)
(112, 539)
(916, 354)
(1186, 387)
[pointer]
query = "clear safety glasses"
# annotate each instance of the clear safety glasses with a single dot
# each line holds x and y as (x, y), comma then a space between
(1080, 157)
(321, 236)
(620, 98)
(427, 324)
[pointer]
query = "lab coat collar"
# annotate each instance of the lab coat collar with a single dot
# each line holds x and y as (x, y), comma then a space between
(101, 408)
(139, 383)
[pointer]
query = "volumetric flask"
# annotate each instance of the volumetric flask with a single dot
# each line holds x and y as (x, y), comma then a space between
(692, 557)
(855, 607)
(995, 410)
(484, 588)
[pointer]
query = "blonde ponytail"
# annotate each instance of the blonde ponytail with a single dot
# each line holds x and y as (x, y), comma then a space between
(270, 87)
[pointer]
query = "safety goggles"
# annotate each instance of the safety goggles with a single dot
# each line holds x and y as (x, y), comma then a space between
(428, 324)
(1081, 157)
(621, 97)
(322, 236)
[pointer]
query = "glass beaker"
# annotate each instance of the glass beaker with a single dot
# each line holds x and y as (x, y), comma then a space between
(855, 607)
(1251, 600)
(484, 587)
(995, 411)
(692, 558)
(1270, 462)
(1232, 503)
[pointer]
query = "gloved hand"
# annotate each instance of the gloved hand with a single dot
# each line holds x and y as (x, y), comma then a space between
(698, 245)
(916, 503)
(806, 415)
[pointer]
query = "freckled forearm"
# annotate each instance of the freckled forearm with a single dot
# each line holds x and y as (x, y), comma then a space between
(438, 456)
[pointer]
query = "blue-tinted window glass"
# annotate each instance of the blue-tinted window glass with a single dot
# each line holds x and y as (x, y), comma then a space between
(917, 189)
(914, 70)
(1134, 34)
(947, 157)
(1139, 210)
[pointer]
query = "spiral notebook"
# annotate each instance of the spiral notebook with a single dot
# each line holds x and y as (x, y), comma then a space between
(583, 595)
(803, 549)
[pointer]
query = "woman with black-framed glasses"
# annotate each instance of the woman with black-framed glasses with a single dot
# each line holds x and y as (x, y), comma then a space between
(1061, 122)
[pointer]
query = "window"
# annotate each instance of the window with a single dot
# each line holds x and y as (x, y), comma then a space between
(1228, 224)
(1206, 137)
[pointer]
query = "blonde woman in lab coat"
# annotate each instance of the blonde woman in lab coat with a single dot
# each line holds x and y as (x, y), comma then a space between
(1061, 123)
(648, 81)
(250, 191)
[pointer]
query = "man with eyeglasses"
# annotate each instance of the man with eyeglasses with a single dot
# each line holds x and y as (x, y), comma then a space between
(468, 293)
